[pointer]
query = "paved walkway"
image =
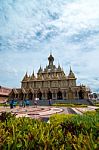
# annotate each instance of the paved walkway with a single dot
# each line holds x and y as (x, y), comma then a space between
(44, 111)
(31, 111)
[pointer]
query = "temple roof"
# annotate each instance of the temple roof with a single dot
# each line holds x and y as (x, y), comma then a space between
(49, 72)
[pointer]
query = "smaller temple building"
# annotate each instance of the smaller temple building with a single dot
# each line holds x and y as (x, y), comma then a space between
(50, 82)
(4, 93)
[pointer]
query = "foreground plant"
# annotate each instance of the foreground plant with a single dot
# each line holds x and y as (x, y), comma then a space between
(63, 132)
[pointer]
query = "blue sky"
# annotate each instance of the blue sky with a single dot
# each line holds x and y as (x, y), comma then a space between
(30, 29)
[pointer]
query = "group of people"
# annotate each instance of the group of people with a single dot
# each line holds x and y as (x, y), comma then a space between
(27, 103)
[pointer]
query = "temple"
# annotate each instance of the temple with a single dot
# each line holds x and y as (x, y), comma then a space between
(50, 83)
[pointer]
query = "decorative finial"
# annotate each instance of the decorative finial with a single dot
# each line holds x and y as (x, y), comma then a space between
(26, 75)
(33, 73)
(58, 63)
(50, 52)
(40, 66)
(40, 69)
(70, 68)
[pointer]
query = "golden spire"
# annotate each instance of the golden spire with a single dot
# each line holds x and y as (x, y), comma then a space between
(33, 75)
(71, 74)
(25, 77)
(40, 69)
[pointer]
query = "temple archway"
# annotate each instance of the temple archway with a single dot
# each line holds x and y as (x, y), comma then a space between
(81, 94)
(12, 95)
(16, 96)
(65, 94)
(59, 95)
(21, 96)
(30, 95)
(49, 95)
(39, 95)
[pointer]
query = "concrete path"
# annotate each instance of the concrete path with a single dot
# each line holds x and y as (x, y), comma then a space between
(44, 111)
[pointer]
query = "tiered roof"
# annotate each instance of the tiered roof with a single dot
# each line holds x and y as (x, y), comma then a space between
(50, 72)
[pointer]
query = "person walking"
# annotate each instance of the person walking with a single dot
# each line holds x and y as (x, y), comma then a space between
(35, 102)
(49, 102)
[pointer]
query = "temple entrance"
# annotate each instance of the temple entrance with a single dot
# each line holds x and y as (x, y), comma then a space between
(16, 96)
(81, 94)
(39, 95)
(34, 95)
(70, 95)
(30, 96)
(21, 96)
(49, 95)
(59, 95)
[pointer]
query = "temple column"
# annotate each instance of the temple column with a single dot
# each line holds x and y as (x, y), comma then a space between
(15, 96)
(32, 96)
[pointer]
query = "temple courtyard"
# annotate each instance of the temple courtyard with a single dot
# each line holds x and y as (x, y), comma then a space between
(44, 112)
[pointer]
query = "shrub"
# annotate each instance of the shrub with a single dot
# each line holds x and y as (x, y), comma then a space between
(69, 105)
(5, 116)
(97, 104)
(71, 132)
(4, 104)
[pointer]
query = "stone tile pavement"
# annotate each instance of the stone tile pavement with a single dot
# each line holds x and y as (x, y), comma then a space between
(43, 111)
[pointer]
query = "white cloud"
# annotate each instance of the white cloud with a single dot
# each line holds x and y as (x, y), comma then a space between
(30, 29)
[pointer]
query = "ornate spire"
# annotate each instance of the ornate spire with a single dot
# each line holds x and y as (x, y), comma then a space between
(71, 74)
(40, 69)
(33, 73)
(25, 77)
(50, 59)
(59, 67)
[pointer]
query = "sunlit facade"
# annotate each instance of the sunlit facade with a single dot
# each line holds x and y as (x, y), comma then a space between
(50, 83)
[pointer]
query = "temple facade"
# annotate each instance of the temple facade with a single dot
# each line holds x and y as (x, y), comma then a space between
(50, 83)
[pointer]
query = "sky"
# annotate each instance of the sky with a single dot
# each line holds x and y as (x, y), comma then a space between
(30, 29)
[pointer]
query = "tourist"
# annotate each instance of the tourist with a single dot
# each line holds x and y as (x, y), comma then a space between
(35, 102)
(11, 104)
(49, 102)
